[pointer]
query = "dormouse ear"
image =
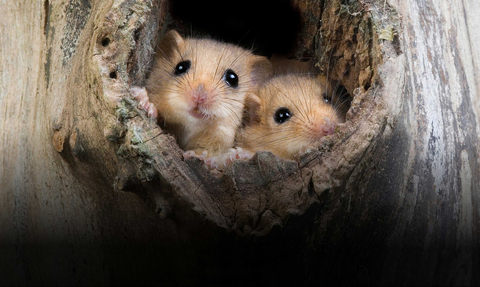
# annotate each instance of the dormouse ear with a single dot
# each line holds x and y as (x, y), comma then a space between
(261, 69)
(170, 44)
(252, 110)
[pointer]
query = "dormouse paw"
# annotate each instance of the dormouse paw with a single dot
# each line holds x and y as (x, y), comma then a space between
(141, 95)
(191, 153)
(212, 162)
(227, 158)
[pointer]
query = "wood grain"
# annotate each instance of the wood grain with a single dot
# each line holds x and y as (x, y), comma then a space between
(93, 192)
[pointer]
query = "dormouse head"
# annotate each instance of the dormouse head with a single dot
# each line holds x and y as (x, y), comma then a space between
(202, 79)
(289, 113)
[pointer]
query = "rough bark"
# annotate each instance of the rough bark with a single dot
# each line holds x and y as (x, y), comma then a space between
(93, 192)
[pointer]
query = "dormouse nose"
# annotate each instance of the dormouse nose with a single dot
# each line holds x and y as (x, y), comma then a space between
(199, 94)
(328, 126)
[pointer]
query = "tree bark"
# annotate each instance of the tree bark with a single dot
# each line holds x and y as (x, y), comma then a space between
(93, 192)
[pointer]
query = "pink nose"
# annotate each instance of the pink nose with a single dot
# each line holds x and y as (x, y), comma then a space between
(199, 95)
(328, 127)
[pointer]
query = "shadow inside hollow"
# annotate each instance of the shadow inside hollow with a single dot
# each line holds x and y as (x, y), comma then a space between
(267, 26)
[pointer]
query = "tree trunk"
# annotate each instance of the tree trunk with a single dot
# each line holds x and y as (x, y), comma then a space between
(93, 192)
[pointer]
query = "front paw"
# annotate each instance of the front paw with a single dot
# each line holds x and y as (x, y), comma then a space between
(226, 159)
(141, 95)
(190, 154)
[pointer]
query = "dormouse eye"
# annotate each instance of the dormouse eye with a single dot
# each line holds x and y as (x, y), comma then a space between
(231, 78)
(326, 98)
(182, 67)
(282, 115)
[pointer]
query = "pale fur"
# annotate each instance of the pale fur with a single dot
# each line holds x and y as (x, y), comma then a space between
(302, 95)
(222, 111)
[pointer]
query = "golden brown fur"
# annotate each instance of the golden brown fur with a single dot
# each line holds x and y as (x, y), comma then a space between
(311, 117)
(210, 124)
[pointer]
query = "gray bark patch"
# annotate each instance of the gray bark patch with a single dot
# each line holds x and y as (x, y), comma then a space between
(77, 14)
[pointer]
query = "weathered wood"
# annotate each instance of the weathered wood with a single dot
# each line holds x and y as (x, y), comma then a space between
(93, 192)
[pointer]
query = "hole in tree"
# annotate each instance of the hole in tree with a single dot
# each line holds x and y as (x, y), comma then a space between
(113, 74)
(136, 35)
(105, 42)
(267, 26)
(367, 86)
(271, 27)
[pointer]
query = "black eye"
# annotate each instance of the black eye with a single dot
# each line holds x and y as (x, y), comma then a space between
(326, 98)
(231, 78)
(182, 67)
(282, 115)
